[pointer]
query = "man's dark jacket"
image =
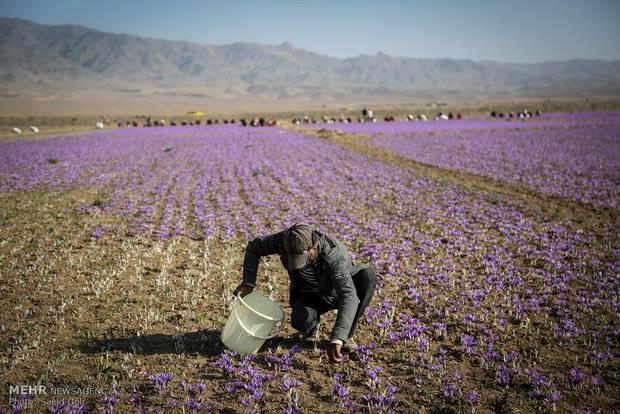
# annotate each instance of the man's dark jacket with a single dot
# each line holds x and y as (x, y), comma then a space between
(335, 269)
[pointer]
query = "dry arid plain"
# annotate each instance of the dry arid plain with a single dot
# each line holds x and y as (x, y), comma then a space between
(495, 240)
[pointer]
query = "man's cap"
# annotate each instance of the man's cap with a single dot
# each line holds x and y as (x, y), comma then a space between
(297, 243)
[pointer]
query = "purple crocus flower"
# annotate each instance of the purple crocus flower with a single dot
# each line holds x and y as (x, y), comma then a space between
(448, 391)
(577, 376)
(290, 383)
(135, 399)
(194, 405)
(473, 397)
(554, 397)
(97, 233)
(502, 375)
(171, 404)
(597, 381)
(161, 379)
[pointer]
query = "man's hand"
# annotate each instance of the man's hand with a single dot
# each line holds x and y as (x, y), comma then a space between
(243, 289)
(333, 351)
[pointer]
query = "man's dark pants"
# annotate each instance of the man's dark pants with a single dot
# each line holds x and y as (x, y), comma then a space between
(308, 308)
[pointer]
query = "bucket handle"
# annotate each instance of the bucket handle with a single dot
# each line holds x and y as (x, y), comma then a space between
(247, 330)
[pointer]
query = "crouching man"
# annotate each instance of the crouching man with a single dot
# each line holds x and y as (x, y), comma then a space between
(322, 277)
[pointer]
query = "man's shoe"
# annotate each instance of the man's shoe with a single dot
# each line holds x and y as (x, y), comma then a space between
(312, 337)
(349, 347)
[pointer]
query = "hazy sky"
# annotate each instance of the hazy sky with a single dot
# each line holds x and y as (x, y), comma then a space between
(505, 30)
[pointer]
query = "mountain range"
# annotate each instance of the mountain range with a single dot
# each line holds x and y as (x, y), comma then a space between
(71, 68)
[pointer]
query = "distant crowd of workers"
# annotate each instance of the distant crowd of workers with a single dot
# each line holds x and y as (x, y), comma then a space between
(367, 115)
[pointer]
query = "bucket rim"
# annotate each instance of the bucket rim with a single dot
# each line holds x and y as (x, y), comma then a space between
(262, 315)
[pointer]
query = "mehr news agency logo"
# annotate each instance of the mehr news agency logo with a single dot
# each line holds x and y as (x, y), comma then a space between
(25, 396)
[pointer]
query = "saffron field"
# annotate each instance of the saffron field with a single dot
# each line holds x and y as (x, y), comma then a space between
(498, 267)
(569, 155)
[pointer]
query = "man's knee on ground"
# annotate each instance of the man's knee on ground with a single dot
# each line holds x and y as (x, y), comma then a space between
(303, 319)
